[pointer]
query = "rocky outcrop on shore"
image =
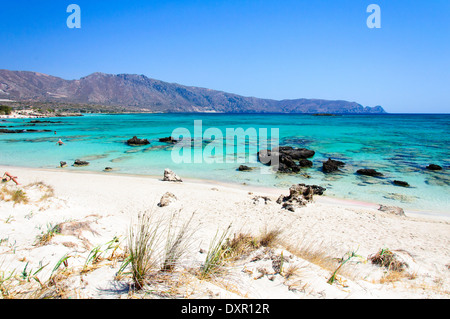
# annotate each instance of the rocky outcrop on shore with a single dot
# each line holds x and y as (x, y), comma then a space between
(80, 163)
(300, 195)
(170, 176)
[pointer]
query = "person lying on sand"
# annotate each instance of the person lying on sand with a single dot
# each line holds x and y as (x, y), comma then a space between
(8, 177)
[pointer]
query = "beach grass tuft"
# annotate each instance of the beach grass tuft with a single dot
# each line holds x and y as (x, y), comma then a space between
(143, 242)
(45, 237)
(177, 242)
(389, 260)
(215, 258)
(269, 237)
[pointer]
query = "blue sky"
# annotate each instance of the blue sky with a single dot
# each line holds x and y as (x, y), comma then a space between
(269, 49)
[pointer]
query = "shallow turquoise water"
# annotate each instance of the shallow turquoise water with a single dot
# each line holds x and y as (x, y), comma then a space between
(399, 146)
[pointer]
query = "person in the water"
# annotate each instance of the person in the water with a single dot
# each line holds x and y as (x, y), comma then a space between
(60, 143)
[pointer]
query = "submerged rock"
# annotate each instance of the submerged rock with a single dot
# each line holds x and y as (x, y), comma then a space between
(170, 176)
(332, 166)
(295, 153)
(434, 167)
(287, 157)
(244, 168)
(400, 183)
(305, 163)
(137, 142)
(6, 131)
(369, 172)
(169, 139)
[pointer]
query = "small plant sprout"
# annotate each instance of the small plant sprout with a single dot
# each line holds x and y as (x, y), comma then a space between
(215, 257)
(63, 261)
(347, 257)
(47, 236)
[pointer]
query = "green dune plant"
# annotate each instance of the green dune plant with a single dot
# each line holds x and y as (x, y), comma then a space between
(215, 258)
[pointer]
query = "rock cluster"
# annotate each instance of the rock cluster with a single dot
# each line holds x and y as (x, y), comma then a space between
(290, 160)
(300, 195)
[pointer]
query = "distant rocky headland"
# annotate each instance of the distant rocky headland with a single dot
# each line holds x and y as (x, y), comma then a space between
(121, 93)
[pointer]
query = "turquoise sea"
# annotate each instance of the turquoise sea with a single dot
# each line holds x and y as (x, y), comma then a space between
(398, 145)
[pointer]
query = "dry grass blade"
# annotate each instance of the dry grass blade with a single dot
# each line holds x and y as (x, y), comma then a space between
(388, 259)
(268, 237)
(143, 241)
(177, 243)
(215, 257)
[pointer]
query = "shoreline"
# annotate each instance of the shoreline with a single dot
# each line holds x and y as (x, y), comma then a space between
(274, 191)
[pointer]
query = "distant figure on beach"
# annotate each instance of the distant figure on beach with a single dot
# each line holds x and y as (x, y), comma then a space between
(8, 177)
(60, 143)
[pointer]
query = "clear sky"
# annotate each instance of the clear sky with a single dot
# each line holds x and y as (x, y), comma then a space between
(270, 49)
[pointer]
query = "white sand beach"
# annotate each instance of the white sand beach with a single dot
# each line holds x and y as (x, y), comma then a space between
(93, 209)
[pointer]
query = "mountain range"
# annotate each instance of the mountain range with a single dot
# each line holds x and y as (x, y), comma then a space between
(139, 93)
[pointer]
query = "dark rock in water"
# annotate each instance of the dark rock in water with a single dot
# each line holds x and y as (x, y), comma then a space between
(332, 166)
(79, 163)
(62, 164)
(400, 183)
(23, 131)
(369, 172)
(305, 163)
(137, 142)
(434, 167)
(44, 122)
(168, 140)
(38, 131)
(295, 153)
(265, 157)
(324, 114)
(244, 168)
(287, 157)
